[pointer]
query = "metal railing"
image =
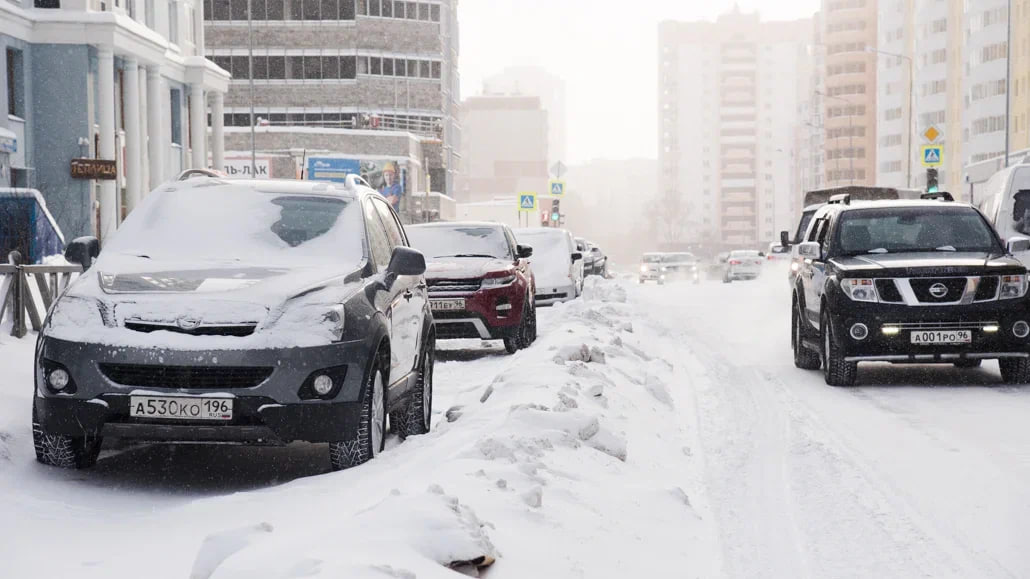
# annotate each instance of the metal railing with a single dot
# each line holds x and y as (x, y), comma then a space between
(18, 297)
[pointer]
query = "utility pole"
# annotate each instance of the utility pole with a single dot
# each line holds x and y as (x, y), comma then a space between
(250, 76)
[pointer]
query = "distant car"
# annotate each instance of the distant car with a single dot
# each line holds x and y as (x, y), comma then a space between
(778, 252)
(651, 268)
(600, 261)
(480, 282)
(553, 263)
(681, 266)
(583, 246)
(239, 312)
(743, 264)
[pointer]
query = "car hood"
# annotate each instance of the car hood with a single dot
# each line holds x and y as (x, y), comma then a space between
(928, 263)
(464, 267)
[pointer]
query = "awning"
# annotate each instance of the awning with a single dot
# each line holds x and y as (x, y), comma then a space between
(8, 141)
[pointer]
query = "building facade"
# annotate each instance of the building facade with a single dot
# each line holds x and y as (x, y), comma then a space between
(505, 153)
(730, 101)
(337, 65)
(984, 85)
(122, 80)
(536, 81)
(849, 95)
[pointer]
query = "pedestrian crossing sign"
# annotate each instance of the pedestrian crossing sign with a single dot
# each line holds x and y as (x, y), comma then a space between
(557, 188)
(932, 155)
(527, 201)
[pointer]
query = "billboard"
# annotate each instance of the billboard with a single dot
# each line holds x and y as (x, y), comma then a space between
(240, 167)
(386, 176)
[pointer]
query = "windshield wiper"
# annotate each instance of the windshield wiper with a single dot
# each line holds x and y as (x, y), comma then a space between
(945, 248)
(878, 250)
(468, 255)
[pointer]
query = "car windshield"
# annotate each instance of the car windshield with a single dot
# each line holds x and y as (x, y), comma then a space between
(908, 229)
(744, 253)
(437, 241)
(241, 225)
(652, 258)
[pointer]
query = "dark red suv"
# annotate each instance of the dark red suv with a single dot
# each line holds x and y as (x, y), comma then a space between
(480, 282)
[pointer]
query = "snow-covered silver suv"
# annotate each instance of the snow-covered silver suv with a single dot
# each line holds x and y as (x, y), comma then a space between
(249, 312)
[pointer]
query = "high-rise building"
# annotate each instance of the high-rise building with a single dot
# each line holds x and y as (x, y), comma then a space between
(122, 81)
(849, 97)
(373, 83)
(986, 69)
(1020, 128)
(729, 100)
(536, 81)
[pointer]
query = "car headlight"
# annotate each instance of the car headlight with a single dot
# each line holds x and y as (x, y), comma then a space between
(1012, 286)
(859, 290)
(319, 319)
(498, 281)
(665, 268)
(643, 269)
(794, 266)
(75, 312)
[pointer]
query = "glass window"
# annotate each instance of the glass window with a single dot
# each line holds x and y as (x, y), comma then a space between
(330, 67)
(423, 11)
(373, 8)
(393, 229)
(260, 67)
(413, 68)
(312, 118)
(412, 11)
(437, 241)
(376, 65)
(294, 67)
(295, 118)
(388, 66)
(238, 10)
(435, 69)
(311, 9)
(347, 67)
(905, 229)
(423, 66)
(387, 8)
(312, 67)
(378, 241)
(240, 67)
(434, 12)
(222, 61)
(220, 11)
(346, 9)
(275, 10)
(330, 9)
(277, 118)
(398, 9)
(276, 67)
(257, 8)
(296, 9)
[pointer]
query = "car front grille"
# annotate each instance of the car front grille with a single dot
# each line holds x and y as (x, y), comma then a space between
(238, 330)
(556, 296)
(204, 377)
(453, 286)
(917, 291)
(988, 288)
(888, 291)
(955, 286)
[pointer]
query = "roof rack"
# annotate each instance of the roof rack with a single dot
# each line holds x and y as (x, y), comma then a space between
(843, 199)
(191, 173)
(938, 195)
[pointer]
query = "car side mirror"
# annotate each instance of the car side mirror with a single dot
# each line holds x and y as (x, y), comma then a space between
(811, 250)
(576, 256)
(784, 239)
(1018, 244)
(761, 254)
(406, 261)
(523, 251)
(82, 251)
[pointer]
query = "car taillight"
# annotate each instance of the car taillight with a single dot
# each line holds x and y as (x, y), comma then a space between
(734, 262)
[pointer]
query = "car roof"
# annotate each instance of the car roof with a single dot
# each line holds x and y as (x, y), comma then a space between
(893, 204)
(453, 224)
(284, 186)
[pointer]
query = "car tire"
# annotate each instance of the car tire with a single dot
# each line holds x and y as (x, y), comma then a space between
(968, 363)
(726, 279)
(1015, 370)
(836, 370)
(418, 412)
(370, 438)
(511, 344)
(530, 335)
(76, 452)
(804, 358)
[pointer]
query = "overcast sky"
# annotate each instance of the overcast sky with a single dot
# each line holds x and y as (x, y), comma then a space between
(606, 50)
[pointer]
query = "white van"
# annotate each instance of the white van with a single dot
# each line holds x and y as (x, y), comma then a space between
(1006, 203)
(554, 263)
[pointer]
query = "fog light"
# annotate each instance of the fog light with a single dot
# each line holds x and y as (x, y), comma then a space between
(993, 328)
(859, 331)
(890, 330)
(503, 307)
(323, 384)
(1021, 329)
(58, 379)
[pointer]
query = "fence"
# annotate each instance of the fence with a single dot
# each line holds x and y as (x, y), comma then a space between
(22, 300)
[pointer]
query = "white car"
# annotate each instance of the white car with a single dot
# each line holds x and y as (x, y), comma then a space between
(778, 252)
(559, 277)
(743, 264)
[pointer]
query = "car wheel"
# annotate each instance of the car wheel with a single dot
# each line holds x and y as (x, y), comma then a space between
(419, 410)
(368, 441)
(64, 451)
(968, 363)
(803, 357)
(530, 327)
(1015, 370)
(726, 279)
(836, 370)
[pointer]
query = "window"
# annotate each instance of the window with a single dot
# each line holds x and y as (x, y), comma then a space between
(175, 99)
(424, 69)
(423, 11)
(378, 241)
(47, 4)
(376, 65)
(312, 67)
(260, 67)
(348, 67)
(295, 67)
(398, 9)
(413, 68)
(274, 10)
(239, 67)
(312, 10)
(15, 83)
(330, 10)
(434, 12)
(330, 67)
(277, 67)
(435, 69)
(393, 229)
(173, 21)
(237, 9)
(412, 11)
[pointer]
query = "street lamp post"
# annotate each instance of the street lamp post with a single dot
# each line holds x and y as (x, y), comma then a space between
(910, 130)
(851, 134)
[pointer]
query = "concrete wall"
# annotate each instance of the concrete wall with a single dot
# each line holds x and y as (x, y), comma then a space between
(396, 36)
(367, 93)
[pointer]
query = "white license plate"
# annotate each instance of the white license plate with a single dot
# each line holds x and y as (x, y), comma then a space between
(180, 408)
(447, 305)
(942, 337)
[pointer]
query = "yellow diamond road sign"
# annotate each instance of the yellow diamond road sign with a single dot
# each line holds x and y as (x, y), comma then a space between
(931, 134)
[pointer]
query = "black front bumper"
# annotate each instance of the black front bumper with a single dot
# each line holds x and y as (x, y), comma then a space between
(898, 347)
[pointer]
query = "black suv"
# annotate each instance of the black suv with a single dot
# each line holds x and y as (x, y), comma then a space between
(925, 281)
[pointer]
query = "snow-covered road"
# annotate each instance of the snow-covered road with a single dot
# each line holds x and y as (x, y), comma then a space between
(650, 432)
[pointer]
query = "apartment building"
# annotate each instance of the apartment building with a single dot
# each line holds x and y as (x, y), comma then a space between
(1020, 129)
(986, 69)
(728, 113)
(123, 81)
(850, 93)
(536, 81)
(336, 70)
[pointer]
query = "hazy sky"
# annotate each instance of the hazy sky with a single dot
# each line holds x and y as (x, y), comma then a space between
(606, 50)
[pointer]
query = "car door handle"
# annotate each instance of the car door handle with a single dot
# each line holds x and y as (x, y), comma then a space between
(408, 295)
(421, 285)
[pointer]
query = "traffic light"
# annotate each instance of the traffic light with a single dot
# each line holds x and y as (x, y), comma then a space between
(931, 180)
(545, 215)
(555, 211)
